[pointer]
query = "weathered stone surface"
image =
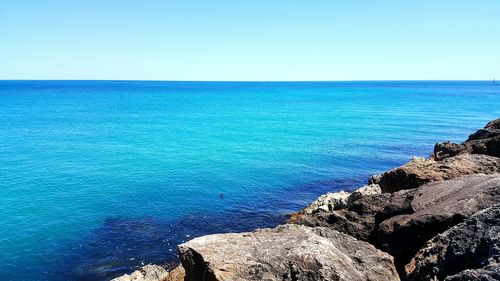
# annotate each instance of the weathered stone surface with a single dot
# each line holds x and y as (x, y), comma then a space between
(328, 202)
(484, 141)
(420, 171)
(288, 252)
(153, 273)
(340, 200)
(467, 251)
(177, 274)
(436, 207)
(370, 189)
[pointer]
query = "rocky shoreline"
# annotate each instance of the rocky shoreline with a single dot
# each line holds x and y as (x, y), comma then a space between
(430, 219)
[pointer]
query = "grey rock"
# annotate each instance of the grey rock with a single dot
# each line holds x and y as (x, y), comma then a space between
(328, 202)
(375, 179)
(288, 252)
(357, 194)
(487, 273)
(340, 200)
(467, 251)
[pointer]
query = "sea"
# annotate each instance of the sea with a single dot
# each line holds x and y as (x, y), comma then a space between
(100, 177)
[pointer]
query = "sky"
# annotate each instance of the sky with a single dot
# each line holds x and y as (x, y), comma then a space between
(250, 40)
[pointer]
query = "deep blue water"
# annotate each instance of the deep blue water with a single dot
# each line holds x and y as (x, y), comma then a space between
(98, 177)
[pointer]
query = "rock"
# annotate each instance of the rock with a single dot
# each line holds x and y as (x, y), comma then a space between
(467, 251)
(177, 274)
(448, 149)
(288, 252)
(146, 273)
(370, 189)
(484, 141)
(420, 171)
(328, 202)
(152, 272)
(436, 207)
(375, 179)
(492, 129)
(340, 200)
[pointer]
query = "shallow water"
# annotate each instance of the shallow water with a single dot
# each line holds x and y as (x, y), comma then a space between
(98, 177)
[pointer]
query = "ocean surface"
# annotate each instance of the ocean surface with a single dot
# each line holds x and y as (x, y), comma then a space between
(100, 177)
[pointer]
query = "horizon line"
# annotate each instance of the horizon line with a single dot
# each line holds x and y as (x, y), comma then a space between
(259, 81)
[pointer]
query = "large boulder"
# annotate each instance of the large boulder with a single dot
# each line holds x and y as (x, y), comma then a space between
(436, 207)
(484, 141)
(288, 252)
(420, 171)
(467, 251)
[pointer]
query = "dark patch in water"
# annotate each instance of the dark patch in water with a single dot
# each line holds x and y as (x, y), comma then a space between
(122, 245)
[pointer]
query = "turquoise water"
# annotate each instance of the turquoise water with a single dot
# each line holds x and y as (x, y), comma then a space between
(97, 178)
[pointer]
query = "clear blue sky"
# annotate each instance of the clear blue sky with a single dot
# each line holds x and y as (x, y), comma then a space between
(249, 39)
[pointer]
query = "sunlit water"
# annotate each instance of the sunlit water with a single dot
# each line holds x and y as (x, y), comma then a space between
(97, 178)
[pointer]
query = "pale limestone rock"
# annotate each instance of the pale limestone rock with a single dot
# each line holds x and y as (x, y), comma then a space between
(285, 253)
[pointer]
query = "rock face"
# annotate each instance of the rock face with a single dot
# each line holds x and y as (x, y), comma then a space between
(420, 171)
(484, 141)
(401, 222)
(153, 273)
(288, 252)
(340, 200)
(467, 251)
(436, 207)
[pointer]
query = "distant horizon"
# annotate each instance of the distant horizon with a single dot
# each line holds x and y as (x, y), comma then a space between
(256, 81)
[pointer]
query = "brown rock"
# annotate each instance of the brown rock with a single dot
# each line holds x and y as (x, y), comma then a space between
(419, 171)
(448, 149)
(484, 141)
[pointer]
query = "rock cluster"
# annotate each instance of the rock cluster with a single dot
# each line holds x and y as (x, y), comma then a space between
(430, 219)
(484, 141)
